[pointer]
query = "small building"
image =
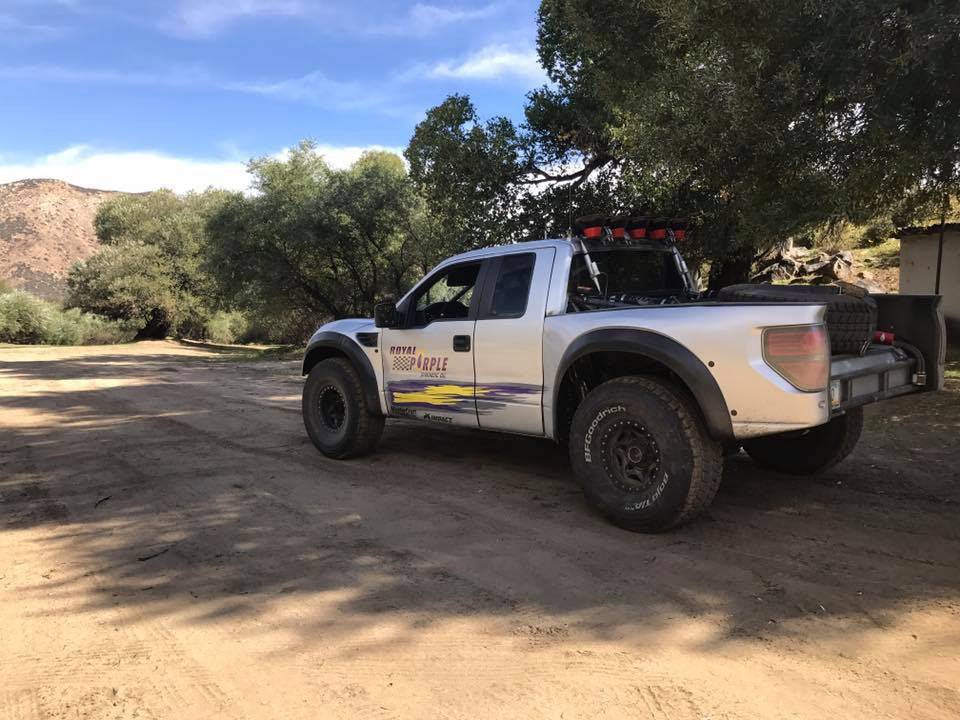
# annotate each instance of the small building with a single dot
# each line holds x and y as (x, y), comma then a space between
(918, 267)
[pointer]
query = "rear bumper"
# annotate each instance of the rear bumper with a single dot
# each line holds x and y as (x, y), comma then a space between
(883, 372)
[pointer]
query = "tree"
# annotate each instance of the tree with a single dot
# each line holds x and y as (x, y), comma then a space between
(314, 243)
(129, 281)
(757, 119)
(149, 269)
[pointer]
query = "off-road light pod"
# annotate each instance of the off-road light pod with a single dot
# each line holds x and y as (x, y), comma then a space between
(679, 228)
(618, 227)
(591, 226)
(657, 230)
(637, 227)
(800, 354)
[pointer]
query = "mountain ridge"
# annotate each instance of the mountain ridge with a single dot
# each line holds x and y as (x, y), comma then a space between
(46, 225)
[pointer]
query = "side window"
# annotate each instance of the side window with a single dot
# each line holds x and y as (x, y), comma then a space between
(580, 281)
(513, 286)
(447, 296)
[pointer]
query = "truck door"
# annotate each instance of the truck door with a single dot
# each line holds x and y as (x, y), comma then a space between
(509, 342)
(428, 364)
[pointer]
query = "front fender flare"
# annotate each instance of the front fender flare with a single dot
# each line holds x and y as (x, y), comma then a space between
(325, 345)
(666, 351)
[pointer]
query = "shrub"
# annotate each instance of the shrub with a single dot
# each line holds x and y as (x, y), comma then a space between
(28, 320)
(227, 327)
(23, 318)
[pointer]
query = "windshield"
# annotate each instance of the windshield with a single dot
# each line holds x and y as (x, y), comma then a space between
(628, 272)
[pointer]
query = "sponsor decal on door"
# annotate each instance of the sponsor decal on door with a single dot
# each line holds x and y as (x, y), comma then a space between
(460, 396)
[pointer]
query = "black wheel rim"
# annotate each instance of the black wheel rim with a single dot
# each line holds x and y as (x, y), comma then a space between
(333, 408)
(632, 456)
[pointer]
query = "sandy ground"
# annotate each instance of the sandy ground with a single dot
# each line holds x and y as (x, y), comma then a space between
(171, 546)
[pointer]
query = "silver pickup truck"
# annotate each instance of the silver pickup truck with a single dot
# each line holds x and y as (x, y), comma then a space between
(603, 344)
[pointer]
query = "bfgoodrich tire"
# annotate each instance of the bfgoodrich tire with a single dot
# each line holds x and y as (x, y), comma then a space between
(640, 451)
(335, 411)
(811, 451)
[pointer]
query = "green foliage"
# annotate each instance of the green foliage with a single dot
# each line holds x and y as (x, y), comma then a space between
(226, 327)
(75, 327)
(26, 319)
(23, 318)
(149, 271)
(314, 243)
(758, 120)
(127, 281)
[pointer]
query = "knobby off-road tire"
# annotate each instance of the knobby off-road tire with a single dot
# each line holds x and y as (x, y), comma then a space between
(811, 451)
(640, 451)
(335, 411)
(850, 320)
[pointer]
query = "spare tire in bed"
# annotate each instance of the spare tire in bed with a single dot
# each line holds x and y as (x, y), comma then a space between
(850, 320)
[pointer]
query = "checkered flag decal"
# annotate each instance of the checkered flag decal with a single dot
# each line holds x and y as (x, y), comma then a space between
(404, 363)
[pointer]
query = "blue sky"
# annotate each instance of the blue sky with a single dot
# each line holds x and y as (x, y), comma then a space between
(136, 94)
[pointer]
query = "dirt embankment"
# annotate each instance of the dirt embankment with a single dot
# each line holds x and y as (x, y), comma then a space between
(171, 546)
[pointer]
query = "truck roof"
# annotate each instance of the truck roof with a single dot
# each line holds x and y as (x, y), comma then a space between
(512, 247)
(560, 244)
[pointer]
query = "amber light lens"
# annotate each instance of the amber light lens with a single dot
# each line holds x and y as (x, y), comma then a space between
(801, 354)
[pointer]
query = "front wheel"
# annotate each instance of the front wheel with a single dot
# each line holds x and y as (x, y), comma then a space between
(641, 452)
(335, 411)
(808, 452)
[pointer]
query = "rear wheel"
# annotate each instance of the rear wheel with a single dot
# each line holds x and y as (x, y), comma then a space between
(810, 451)
(335, 411)
(640, 451)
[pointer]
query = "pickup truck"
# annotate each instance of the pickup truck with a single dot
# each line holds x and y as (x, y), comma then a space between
(602, 343)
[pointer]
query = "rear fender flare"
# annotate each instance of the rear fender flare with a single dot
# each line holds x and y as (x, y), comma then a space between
(667, 352)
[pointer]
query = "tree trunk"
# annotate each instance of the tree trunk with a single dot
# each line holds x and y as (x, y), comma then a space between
(733, 269)
(157, 328)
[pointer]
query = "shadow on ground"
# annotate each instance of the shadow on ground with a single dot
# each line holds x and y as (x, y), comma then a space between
(187, 486)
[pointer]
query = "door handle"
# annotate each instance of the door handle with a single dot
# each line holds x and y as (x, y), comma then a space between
(461, 343)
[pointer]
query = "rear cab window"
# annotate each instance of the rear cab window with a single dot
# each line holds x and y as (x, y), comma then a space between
(512, 288)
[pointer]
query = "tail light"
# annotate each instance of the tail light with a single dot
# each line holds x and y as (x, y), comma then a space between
(800, 354)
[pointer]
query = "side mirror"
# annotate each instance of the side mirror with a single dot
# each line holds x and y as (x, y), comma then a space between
(385, 315)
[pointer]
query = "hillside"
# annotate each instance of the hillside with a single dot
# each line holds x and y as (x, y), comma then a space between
(46, 226)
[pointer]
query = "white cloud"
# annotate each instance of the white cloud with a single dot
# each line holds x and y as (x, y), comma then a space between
(178, 78)
(314, 88)
(423, 19)
(14, 30)
(204, 18)
(143, 170)
(490, 63)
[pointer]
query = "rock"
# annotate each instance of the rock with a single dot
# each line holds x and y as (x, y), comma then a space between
(870, 286)
(816, 267)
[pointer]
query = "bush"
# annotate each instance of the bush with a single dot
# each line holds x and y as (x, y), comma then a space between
(227, 327)
(878, 232)
(23, 318)
(28, 320)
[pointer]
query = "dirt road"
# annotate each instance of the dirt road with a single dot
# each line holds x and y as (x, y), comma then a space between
(171, 546)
